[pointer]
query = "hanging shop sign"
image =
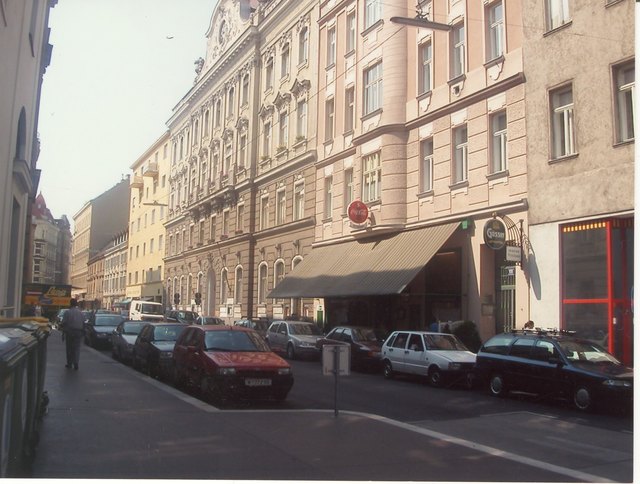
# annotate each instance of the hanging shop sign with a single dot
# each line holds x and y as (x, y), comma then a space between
(514, 254)
(495, 234)
(358, 212)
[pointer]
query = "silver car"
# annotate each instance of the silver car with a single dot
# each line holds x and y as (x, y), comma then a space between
(123, 338)
(294, 338)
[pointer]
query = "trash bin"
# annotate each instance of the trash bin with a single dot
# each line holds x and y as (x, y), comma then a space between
(36, 345)
(14, 350)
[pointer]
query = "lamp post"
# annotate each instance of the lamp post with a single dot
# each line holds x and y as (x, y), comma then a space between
(420, 20)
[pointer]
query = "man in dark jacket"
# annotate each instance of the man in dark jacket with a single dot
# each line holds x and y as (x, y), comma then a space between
(73, 329)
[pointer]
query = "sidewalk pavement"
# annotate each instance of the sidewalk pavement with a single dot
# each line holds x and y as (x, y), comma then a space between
(107, 421)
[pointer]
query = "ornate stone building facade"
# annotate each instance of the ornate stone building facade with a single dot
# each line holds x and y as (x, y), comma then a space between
(242, 177)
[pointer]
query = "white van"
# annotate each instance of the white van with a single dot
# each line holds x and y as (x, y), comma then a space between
(146, 310)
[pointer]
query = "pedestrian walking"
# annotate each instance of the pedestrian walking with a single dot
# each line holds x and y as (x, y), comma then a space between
(73, 332)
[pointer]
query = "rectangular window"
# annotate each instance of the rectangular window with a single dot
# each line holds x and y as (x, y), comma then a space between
(372, 12)
(373, 88)
(269, 73)
(348, 187)
(303, 45)
(301, 125)
(625, 85)
(228, 156)
(151, 246)
(201, 232)
(266, 139)
(264, 213)
(160, 242)
(424, 77)
(281, 207)
(225, 222)
(284, 61)
(557, 12)
(351, 32)
(242, 152)
(283, 132)
(457, 51)
(240, 219)
(495, 30)
(212, 228)
(562, 127)
(498, 147)
(245, 89)
(328, 120)
(459, 168)
(371, 178)
(328, 197)
(298, 201)
(426, 165)
(349, 109)
(331, 46)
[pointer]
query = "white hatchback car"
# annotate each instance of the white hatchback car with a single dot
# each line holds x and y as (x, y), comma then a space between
(438, 356)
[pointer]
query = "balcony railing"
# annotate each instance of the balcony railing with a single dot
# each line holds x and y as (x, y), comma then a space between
(137, 182)
(151, 170)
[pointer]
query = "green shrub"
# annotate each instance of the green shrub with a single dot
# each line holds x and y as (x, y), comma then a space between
(468, 334)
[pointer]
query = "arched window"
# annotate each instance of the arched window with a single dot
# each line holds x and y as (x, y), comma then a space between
(205, 128)
(263, 271)
(224, 285)
(189, 289)
(278, 274)
(238, 291)
(303, 45)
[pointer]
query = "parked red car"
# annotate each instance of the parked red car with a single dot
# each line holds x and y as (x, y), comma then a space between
(229, 363)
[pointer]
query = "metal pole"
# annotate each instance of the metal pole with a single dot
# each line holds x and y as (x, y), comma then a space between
(336, 361)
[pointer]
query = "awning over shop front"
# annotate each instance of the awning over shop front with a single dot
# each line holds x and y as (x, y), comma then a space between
(375, 266)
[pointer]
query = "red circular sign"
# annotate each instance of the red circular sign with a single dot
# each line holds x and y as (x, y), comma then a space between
(358, 212)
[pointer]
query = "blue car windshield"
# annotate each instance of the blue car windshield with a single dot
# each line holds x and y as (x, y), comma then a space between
(587, 352)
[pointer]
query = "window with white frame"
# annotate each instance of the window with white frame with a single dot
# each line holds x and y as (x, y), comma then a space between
(217, 118)
(426, 165)
(242, 151)
(266, 139)
(269, 73)
(328, 196)
(625, 85)
(205, 126)
(284, 61)
(283, 129)
(225, 222)
(238, 291)
(425, 66)
(244, 99)
(457, 51)
(212, 228)
(349, 109)
(373, 88)
(231, 101)
(200, 232)
(278, 273)
(329, 107)
(301, 124)
(303, 45)
(196, 131)
(562, 122)
(151, 246)
(298, 201)
(331, 46)
(498, 148)
(557, 13)
(264, 213)
(459, 168)
(228, 155)
(495, 30)
(348, 187)
(372, 12)
(351, 32)
(281, 207)
(203, 180)
(263, 274)
(371, 177)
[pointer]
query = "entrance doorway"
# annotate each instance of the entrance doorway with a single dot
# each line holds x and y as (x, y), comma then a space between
(505, 297)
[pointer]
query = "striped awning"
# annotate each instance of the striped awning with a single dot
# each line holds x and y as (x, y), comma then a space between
(373, 266)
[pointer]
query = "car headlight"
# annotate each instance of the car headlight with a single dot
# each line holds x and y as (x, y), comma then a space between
(166, 354)
(617, 383)
(226, 371)
(304, 344)
(454, 366)
(284, 371)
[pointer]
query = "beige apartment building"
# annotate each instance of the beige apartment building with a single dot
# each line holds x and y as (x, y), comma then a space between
(24, 57)
(114, 280)
(147, 213)
(580, 97)
(242, 176)
(423, 131)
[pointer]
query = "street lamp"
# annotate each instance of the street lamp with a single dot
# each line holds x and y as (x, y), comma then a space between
(155, 203)
(420, 20)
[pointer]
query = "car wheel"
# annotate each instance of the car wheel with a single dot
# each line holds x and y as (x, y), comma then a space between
(497, 386)
(582, 398)
(387, 370)
(291, 352)
(435, 376)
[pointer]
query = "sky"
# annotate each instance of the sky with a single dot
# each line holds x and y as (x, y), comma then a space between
(117, 70)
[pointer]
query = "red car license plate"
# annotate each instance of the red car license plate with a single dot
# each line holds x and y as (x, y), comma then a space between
(257, 382)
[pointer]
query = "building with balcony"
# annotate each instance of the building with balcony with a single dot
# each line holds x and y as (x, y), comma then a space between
(242, 176)
(25, 55)
(581, 163)
(114, 281)
(422, 150)
(148, 210)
